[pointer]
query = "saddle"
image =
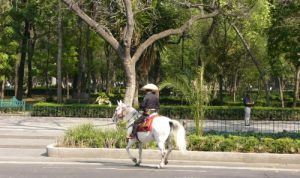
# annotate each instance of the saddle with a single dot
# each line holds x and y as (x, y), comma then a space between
(147, 124)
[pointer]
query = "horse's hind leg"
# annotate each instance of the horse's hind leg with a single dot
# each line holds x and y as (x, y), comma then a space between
(129, 144)
(140, 154)
(170, 147)
(161, 146)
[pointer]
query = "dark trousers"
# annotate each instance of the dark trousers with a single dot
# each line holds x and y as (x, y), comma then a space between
(141, 119)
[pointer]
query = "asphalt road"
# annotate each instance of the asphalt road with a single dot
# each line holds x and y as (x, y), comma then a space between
(125, 169)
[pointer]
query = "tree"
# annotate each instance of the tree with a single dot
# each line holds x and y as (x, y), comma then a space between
(284, 38)
(59, 54)
(194, 91)
(123, 44)
(8, 45)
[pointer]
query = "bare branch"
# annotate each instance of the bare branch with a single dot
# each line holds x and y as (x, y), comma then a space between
(100, 29)
(169, 32)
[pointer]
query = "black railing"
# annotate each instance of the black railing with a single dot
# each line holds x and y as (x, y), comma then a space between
(256, 126)
(224, 119)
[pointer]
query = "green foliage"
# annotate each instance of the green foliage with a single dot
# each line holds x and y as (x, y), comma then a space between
(284, 38)
(103, 99)
(8, 45)
(233, 143)
(194, 91)
(86, 135)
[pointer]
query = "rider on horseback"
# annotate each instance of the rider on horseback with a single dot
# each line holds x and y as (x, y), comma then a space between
(149, 105)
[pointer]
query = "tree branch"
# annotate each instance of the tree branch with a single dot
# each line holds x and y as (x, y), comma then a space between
(100, 29)
(169, 32)
(129, 27)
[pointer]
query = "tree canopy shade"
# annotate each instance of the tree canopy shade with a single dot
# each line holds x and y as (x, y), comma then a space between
(122, 43)
(284, 40)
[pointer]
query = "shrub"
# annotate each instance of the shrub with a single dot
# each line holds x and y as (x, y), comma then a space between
(285, 145)
(87, 135)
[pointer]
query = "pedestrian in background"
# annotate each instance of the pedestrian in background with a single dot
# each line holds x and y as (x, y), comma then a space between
(248, 103)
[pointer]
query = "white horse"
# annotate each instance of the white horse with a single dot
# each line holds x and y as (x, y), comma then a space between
(163, 128)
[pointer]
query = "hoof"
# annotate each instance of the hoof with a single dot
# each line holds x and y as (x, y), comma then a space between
(134, 160)
(138, 164)
(166, 162)
(160, 166)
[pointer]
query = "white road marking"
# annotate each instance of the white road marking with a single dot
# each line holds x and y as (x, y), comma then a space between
(147, 166)
(151, 169)
(50, 163)
(238, 168)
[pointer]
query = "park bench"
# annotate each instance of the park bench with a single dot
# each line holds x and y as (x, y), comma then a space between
(12, 103)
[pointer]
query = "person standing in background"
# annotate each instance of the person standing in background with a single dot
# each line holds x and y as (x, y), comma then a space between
(248, 103)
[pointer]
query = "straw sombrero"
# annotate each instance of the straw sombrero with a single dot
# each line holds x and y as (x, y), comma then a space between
(150, 86)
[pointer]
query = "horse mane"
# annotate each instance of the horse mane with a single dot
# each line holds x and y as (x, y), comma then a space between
(131, 112)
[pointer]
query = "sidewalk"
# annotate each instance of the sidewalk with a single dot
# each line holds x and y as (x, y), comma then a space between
(25, 136)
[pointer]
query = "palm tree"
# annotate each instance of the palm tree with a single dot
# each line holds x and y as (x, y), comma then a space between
(194, 91)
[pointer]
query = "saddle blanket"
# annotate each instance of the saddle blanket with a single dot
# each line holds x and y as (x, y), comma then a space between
(147, 124)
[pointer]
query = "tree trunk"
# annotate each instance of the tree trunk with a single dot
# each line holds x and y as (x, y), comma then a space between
(221, 88)
(281, 92)
(68, 87)
(59, 54)
(110, 75)
(136, 95)
(47, 66)
(89, 59)
(94, 85)
(29, 66)
(255, 61)
(80, 74)
(130, 81)
(296, 90)
(2, 89)
(235, 86)
(22, 61)
(16, 77)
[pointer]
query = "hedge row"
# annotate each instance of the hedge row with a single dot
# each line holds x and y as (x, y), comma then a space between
(243, 144)
(72, 110)
(87, 135)
(175, 112)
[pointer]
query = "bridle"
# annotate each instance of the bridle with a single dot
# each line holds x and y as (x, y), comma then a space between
(121, 114)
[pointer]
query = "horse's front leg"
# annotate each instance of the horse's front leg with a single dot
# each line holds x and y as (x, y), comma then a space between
(140, 154)
(129, 144)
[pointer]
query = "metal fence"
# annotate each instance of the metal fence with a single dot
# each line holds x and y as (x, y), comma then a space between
(261, 126)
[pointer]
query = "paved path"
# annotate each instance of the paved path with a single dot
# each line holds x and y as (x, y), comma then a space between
(28, 136)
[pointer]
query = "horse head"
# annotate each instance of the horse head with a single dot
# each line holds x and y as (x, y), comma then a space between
(124, 112)
(120, 111)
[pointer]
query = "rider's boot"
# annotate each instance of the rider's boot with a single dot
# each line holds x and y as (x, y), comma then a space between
(134, 132)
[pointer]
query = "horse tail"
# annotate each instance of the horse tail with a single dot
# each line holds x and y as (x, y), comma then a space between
(178, 132)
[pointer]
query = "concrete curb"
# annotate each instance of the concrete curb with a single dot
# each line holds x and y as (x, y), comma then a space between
(62, 152)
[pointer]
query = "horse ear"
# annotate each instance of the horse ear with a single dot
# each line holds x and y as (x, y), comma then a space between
(118, 102)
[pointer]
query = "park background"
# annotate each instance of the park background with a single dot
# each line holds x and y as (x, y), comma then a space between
(204, 55)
